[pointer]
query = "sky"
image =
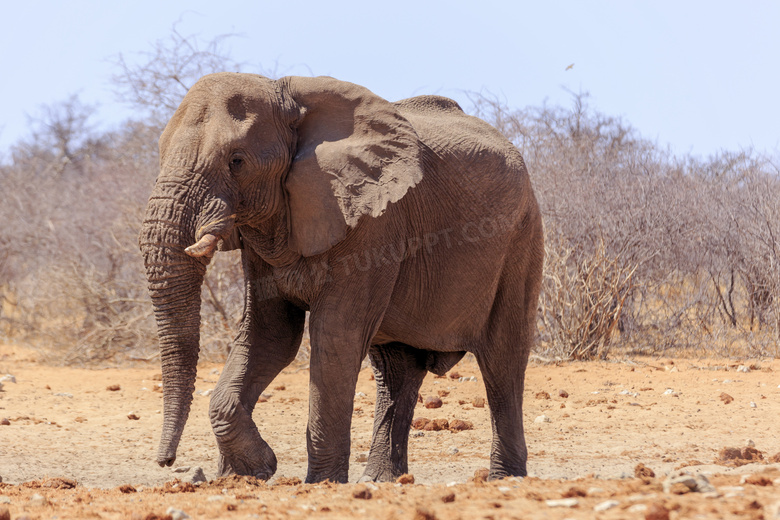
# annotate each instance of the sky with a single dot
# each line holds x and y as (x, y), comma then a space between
(700, 77)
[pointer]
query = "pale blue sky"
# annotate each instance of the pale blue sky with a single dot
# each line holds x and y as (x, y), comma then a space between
(700, 76)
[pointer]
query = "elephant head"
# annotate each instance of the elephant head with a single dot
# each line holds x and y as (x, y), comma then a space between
(316, 153)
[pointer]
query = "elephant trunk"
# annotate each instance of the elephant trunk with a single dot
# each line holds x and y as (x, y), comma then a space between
(175, 279)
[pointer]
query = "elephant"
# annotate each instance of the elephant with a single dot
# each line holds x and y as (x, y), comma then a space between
(408, 230)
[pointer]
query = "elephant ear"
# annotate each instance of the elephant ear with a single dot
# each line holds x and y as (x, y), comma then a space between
(355, 155)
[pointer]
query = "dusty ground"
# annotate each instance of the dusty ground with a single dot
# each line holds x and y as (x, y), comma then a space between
(65, 426)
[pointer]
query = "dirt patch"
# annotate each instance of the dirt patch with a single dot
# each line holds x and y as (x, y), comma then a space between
(69, 448)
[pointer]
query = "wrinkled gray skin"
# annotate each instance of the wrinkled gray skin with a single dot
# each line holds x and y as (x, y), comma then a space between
(409, 230)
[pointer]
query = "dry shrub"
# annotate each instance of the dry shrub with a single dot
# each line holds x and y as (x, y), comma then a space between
(582, 299)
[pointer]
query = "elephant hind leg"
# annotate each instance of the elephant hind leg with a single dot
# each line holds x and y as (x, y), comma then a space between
(399, 372)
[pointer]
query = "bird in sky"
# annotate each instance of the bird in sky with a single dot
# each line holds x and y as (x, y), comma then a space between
(570, 67)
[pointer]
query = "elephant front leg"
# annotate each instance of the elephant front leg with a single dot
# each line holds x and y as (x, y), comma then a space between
(399, 372)
(267, 342)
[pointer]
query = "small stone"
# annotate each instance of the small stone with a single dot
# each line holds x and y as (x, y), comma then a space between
(360, 394)
(361, 457)
(176, 514)
(479, 402)
(726, 398)
(113, 388)
(4, 421)
(448, 497)
(452, 450)
(207, 392)
(280, 388)
(750, 443)
(38, 500)
(127, 488)
(433, 402)
(563, 502)
(133, 417)
(406, 478)
(436, 425)
(63, 394)
(8, 378)
(752, 404)
(604, 506)
(542, 395)
(563, 393)
(641, 471)
(481, 475)
(457, 425)
(743, 368)
(657, 511)
(214, 372)
(263, 398)
(637, 508)
(362, 493)
(420, 422)
(193, 475)
(542, 419)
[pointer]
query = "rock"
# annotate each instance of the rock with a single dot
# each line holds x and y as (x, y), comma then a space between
(433, 402)
(360, 394)
(752, 404)
(457, 425)
(406, 478)
(133, 417)
(481, 475)
(542, 419)
(681, 484)
(604, 506)
(362, 493)
(8, 378)
(563, 502)
(127, 489)
(657, 511)
(448, 497)
(63, 394)
(436, 425)
(478, 402)
(542, 395)
(641, 471)
(280, 388)
(563, 393)
(113, 388)
(193, 474)
(452, 450)
(422, 513)
(361, 457)
(750, 443)
(176, 514)
(38, 500)
(726, 398)
(756, 480)
(4, 421)
(743, 368)
(420, 422)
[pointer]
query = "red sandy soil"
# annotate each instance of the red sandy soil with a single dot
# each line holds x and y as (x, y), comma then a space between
(615, 430)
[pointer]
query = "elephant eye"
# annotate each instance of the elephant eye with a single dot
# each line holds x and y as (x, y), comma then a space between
(236, 163)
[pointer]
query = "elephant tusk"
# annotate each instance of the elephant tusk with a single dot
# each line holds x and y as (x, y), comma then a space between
(203, 247)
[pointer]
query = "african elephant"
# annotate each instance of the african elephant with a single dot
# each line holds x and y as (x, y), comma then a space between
(408, 230)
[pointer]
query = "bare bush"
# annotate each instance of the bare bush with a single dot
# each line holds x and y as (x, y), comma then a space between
(582, 301)
(168, 71)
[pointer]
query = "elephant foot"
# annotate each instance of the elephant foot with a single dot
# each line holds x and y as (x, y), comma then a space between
(377, 473)
(263, 470)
